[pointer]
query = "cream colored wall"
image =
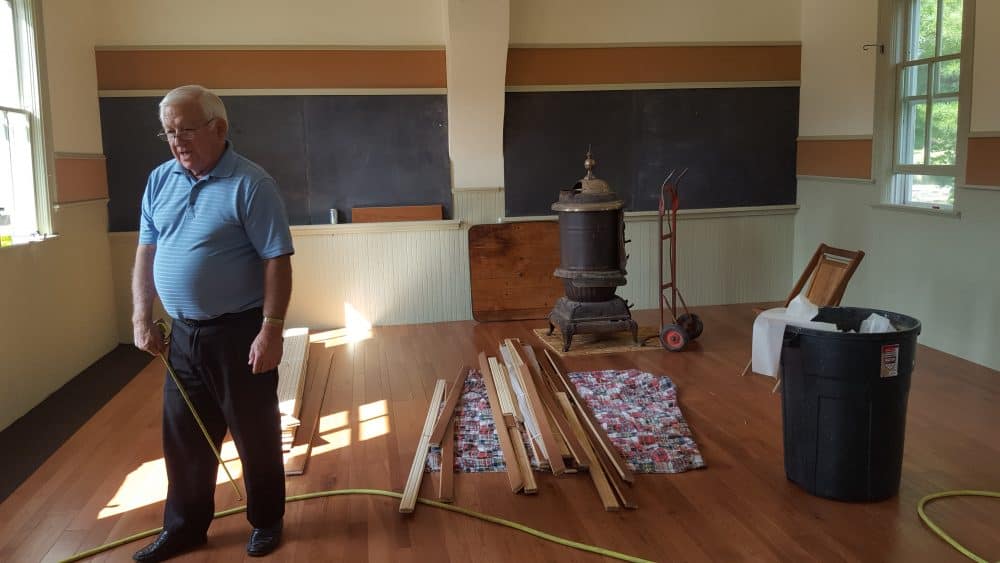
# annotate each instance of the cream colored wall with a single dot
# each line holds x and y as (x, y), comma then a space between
(57, 300)
(940, 270)
(265, 22)
(944, 271)
(986, 69)
(838, 77)
(389, 273)
(537, 22)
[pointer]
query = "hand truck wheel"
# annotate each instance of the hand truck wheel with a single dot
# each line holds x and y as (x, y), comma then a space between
(673, 338)
(692, 325)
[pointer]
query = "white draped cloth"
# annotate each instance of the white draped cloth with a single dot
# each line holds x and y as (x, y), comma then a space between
(769, 328)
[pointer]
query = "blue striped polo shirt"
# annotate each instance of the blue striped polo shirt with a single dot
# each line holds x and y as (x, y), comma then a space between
(212, 235)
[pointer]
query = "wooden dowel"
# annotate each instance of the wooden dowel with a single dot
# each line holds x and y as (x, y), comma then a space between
(409, 500)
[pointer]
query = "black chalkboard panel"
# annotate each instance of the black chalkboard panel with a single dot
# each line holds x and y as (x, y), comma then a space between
(738, 144)
(324, 151)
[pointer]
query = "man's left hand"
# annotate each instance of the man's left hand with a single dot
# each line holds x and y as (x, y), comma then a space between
(266, 350)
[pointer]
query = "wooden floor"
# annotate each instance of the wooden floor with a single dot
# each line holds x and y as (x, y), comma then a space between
(740, 507)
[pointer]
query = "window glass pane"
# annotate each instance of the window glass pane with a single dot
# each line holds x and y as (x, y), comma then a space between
(912, 126)
(928, 190)
(8, 58)
(6, 176)
(22, 174)
(923, 29)
(947, 76)
(951, 27)
(915, 80)
(944, 130)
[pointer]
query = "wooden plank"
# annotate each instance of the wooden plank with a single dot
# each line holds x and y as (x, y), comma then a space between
(530, 486)
(320, 365)
(503, 387)
(595, 427)
(596, 472)
(548, 439)
(510, 267)
(514, 476)
(446, 479)
(397, 213)
(449, 406)
(420, 458)
(548, 399)
(292, 375)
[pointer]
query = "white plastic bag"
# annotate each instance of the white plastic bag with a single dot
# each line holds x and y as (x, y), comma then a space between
(876, 323)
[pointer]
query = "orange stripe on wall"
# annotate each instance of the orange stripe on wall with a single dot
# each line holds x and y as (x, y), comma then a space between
(835, 158)
(667, 64)
(227, 69)
(81, 179)
(982, 166)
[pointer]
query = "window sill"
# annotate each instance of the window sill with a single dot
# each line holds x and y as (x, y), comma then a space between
(946, 213)
(24, 243)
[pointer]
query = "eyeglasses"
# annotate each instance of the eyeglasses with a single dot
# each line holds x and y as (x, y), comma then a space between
(183, 134)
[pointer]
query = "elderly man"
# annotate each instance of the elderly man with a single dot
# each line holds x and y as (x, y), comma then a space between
(215, 246)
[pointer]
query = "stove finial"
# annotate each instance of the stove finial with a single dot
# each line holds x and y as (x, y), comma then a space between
(589, 164)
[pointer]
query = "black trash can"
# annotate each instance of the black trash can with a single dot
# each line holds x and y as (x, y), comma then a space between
(844, 404)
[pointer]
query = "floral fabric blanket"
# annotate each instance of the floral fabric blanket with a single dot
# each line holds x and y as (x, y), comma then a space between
(638, 411)
(640, 414)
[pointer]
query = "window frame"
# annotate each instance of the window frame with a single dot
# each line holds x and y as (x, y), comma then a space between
(893, 17)
(30, 59)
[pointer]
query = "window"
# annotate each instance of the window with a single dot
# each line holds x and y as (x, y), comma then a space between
(23, 186)
(926, 77)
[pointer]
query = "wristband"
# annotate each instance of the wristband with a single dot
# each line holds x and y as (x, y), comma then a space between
(276, 321)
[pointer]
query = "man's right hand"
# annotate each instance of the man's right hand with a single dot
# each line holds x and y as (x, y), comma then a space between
(148, 337)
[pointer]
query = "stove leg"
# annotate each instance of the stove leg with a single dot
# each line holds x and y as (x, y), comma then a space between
(567, 338)
(635, 334)
(552, 327)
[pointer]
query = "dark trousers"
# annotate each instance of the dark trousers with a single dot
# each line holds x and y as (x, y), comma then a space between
(210, 359)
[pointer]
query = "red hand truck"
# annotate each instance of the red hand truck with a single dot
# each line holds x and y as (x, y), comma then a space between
(686, 327)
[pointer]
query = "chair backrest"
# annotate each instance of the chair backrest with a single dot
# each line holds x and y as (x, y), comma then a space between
(827, 273)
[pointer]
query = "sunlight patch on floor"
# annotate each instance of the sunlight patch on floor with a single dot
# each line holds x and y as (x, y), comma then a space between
(148, 484)
(333, 429)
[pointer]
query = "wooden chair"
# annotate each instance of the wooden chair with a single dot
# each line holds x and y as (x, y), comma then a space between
(827, 274)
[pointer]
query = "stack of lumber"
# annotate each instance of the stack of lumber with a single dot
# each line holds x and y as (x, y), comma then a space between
(319, 368)
(291, 381)
(535, 409)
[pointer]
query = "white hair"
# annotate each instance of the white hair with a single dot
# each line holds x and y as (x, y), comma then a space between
(211, 105)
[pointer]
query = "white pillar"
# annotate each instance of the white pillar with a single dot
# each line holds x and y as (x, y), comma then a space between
(477, 33)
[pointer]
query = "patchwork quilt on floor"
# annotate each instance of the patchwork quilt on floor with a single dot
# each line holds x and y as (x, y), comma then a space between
(640, 414)
(477, 447)
(638, 411)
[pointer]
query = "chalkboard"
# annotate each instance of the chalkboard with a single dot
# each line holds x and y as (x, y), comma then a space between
(324, 151)
(738, 144)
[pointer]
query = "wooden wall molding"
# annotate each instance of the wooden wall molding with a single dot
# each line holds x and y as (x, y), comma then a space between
(80, 178)
(982, 164)
(157, 69)
(834, 157)
(653, 64)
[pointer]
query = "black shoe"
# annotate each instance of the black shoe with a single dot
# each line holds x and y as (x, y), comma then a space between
(167, 544)
(264, 540)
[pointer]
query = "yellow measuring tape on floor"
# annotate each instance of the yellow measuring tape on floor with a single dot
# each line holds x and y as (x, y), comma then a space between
(390, 494)
(937, 530)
